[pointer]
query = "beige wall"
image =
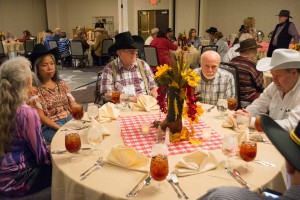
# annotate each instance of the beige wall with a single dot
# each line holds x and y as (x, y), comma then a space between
(228, 15)
(19, 15)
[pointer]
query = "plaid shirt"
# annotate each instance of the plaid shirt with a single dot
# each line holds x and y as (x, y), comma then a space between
(220, 87)
(124, 77)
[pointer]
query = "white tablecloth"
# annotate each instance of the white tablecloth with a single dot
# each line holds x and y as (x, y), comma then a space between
(112, 182)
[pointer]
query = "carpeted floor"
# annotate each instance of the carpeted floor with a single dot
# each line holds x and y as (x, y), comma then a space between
(81, 82)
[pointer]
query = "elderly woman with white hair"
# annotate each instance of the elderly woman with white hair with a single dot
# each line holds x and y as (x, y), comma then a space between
(24, 159)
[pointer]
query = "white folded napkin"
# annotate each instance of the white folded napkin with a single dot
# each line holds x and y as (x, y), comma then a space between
(96, 125)
(231, 122)
(108, 112)
(196, 162)
(145, 102)
(129, 158)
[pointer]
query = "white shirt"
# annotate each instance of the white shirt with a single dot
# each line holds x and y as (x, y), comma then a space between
(231, 53)
(285, 111)
(148, 40)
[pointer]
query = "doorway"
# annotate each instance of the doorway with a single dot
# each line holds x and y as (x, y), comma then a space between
(149, 19)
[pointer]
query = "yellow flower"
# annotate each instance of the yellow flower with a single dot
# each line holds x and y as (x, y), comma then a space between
(161, 70)
(174, 84)
(176, 109)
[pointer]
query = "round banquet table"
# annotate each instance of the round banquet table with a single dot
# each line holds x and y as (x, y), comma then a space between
(112, 182)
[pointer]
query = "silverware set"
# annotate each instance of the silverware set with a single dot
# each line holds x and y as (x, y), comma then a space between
(64, 151)
(176, 182)
(236, 175)
(99, 163)
(209, 109)
(74, 128)
(141, 184)
(264, 163)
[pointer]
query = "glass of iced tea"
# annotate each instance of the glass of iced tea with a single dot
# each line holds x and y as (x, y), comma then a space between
(73, 145)
(257, 124)
(248, 150)
(115, 97)
(159, 167)
(232, 104)
(77, 112)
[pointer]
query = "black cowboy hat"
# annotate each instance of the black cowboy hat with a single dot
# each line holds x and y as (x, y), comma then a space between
(247, 44)
(285, 13)
(41, 50)
(211, 30)
(169, 30)
(288, 144)
(123, 41)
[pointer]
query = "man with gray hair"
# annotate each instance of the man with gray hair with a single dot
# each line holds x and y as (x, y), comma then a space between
(154, 32)
(215, 83)
(281, 99)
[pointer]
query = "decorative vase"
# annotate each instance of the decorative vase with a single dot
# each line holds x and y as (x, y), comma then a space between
(174, 112)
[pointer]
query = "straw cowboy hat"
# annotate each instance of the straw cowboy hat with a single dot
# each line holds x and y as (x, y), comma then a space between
(247, 44)
(154, 30)
(281, 59)
(288, 144)
(123, 41)
(285, 13)
(41, 50)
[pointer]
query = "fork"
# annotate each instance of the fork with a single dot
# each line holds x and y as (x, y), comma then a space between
(264, 140)
(209, 109)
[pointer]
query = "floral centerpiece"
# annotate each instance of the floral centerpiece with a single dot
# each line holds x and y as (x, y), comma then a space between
(296, 47)
(182, 39)
(177, 98)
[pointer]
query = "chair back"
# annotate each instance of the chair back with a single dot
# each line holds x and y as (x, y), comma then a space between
(209, 48)
(151, 56)
(139, 44)
(234, 71)
(52, 44)
(106, 43)
(76, 48)
(28, 45)
(2, 54)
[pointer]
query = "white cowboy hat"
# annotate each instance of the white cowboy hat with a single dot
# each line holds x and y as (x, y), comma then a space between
(281, 59)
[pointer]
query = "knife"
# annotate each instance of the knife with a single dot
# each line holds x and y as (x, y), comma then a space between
(176, 182)
(64, 151)
(130, 194)
(74, 129)
(236, 178)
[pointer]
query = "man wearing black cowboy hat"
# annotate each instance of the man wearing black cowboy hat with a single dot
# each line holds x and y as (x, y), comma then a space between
(250, 79)
(127, 74)
(288, 144)
(211, 32)
(283, 33)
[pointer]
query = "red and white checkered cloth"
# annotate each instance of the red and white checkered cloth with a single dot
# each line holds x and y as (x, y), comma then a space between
(130, 127)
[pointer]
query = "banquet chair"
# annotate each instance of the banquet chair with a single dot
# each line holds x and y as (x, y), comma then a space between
(28, 47)
(105, 55)
(77, 53)
(209, 48)
(139, 44)
(52, 44)
(234, 71)
(151, 56)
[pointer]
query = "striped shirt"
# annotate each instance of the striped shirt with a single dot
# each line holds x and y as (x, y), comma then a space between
(24, 155)
(222, 86)
(131, 78)
(250, 79)
(63, 45)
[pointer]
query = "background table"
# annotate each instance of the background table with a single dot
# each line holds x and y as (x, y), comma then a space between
(112, 182)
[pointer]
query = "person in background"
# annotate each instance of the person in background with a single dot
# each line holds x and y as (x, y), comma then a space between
(26, 36)
(211, 32)
(153, 35)
(215, 83)
(221, 43)
(64, 50)
(194, 39)
(249, 26)
(100, 35)
(288, 145)
(126, 73)
(48, 37)
(56, 35)
(81, 36)
(163, 47)
(99, 24)
(170, 35)
(283, 33)
(236, 40)
(250, 79)
(10, 36)
(53, 99)
(281, 99)
(231, 53)
(24, 159)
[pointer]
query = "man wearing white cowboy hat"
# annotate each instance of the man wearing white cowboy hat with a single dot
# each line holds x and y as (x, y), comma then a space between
(154, 32)
(101, 35)
(127, 74)
(281, 99)
(283, 33)
(288, 144)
